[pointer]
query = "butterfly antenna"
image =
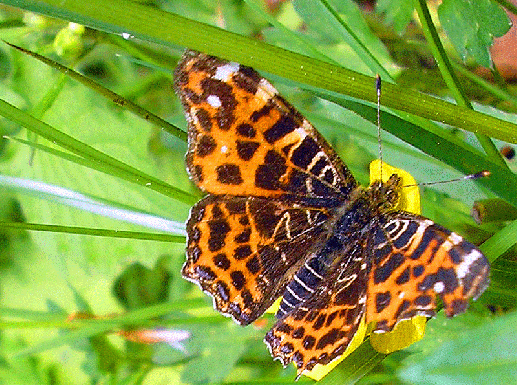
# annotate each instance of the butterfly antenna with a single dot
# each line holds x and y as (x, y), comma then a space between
(379, 141)
(477, 175)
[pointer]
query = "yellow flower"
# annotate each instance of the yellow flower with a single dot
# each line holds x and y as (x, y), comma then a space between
(408, 331)
(405, 332)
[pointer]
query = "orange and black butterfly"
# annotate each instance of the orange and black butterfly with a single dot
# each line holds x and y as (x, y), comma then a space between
(285, 217)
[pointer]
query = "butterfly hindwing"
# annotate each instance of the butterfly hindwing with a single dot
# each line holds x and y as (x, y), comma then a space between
(320, 329)
(243, 251)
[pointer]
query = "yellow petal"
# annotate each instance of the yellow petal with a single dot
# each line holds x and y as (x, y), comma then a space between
(274, 308)
(404, 334)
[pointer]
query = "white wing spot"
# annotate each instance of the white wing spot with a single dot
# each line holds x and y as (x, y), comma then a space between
(439, 287)
(302, 132)
(468, 260)
(455, 238)
(224, 149)
(214, 101)
(266, 90)
(225, 72)
(192, 116)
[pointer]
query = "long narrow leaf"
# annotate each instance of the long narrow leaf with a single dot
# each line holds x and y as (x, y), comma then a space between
(119, 16)
(119, 168)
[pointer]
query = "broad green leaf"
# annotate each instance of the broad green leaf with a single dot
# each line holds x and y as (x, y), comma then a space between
(476, 351)
(218, 348)
(345, 25)
(471, 25)
(396, 12)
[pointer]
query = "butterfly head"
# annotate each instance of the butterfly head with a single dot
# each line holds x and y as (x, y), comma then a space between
(385, 196)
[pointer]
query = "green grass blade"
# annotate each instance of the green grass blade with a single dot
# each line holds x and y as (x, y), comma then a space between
(95, 232)
(128, 17)
(501, 181)
(118, 168)
(91, 204)
(450, 77)
(360, 362)
(500, 242)
(90, 328)
(108, 94)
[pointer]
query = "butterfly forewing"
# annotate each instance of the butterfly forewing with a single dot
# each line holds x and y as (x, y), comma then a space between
(416, 260)
(245, 139)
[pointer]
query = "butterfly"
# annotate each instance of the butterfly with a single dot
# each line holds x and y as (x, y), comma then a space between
(284, 217)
